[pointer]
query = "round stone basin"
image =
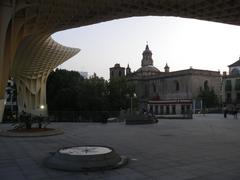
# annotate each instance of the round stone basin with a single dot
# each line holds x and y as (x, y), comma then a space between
(85, 158)
(85, 150)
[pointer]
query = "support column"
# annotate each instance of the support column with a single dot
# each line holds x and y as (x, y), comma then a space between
(32, 95)
(5, 65)
(2, 105)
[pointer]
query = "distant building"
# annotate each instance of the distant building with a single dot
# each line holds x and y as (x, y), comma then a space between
(84, 74)
(11, 100)
(177, 86)
(231, 85)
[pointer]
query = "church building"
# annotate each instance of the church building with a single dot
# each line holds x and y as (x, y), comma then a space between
(169, 92)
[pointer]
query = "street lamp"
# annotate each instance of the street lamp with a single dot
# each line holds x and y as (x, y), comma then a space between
(41, 109)
(131, 97)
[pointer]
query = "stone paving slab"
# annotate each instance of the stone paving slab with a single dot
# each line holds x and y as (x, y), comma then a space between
(207, 147)
(53, 132)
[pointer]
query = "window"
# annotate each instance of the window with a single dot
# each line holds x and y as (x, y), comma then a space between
(229, 98)
(112, 74)
(188, 108)
(120, 73)
(156, 109)
(206, 85)
(238, 98)
(167, 109)
(183, 109)
(237, 85)
(228, 85)
(161, 110)
(177, 88)
(151, 109)
(173, 109)
(235, 72)
(154, 87)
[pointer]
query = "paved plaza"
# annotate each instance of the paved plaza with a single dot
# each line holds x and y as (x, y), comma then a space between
(207, 147)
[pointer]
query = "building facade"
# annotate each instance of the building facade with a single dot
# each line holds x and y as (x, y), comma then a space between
(155, 85)
(231, 85)
(178, 108)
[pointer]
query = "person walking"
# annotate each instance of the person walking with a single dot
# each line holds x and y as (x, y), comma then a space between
(225, 111)
(235, 112)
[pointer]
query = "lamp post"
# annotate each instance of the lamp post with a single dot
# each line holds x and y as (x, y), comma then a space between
(40, 119)
(41, 109)
(131, 97)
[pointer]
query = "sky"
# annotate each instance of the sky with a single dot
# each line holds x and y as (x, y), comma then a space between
(179, 42)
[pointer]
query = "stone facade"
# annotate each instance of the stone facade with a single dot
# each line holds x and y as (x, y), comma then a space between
(152, 84)
(183, 84)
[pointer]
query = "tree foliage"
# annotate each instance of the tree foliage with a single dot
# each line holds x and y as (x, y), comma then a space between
(119, 93)
(62, 89)
(69, 91)
(208, 96)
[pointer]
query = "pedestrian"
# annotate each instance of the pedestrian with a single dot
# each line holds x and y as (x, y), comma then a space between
(225, 111)
(235, 111)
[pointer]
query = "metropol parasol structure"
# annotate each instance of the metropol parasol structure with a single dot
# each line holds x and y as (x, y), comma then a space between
(29, 54)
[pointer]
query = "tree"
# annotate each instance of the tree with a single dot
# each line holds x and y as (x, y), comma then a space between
(119, 93)
(69, 91)
(62, 89)
(93, 94)
(208, 96)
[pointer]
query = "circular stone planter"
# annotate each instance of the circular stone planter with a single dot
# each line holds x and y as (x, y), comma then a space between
(31, 133)
(85, 158)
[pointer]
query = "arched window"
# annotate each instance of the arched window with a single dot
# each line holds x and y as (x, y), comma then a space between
(177, 86)
(235, 71)
(120, 73)
(154, 88)
(228, 85)
(206, 85)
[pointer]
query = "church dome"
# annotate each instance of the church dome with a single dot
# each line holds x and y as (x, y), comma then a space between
(148, 70)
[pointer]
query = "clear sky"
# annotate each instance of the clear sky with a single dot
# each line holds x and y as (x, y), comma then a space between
(177, 41)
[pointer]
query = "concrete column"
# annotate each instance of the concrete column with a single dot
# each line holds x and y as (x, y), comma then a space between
(2, 105)
(32, 95)
(178, 109)
(153, 109)
(194, 106)
(5, 65)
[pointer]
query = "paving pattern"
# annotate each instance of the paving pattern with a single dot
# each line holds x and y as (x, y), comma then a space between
(207, 147)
